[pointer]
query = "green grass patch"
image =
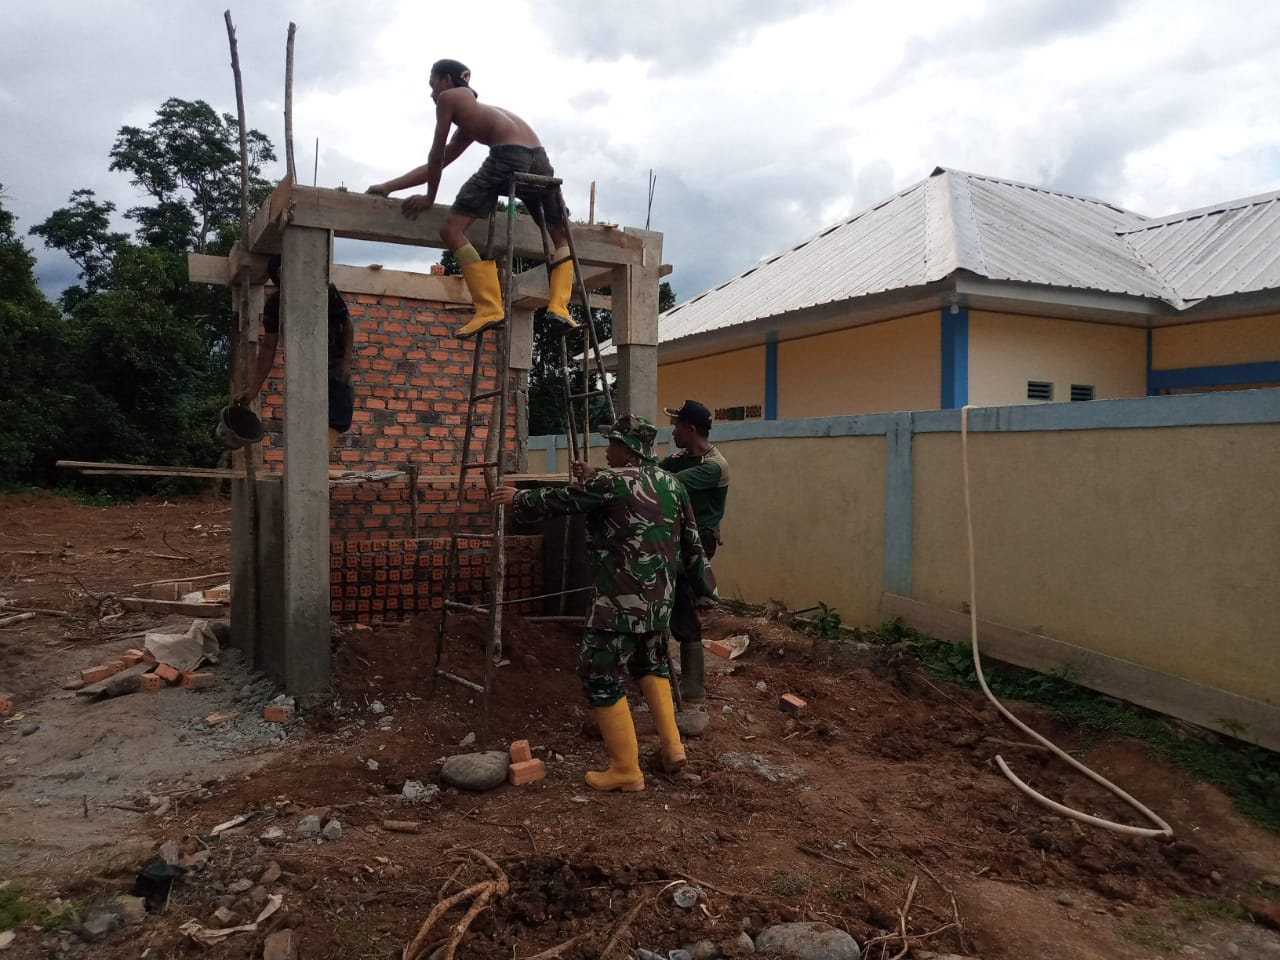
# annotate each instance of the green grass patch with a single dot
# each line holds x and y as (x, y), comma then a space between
(17, 907)
(1248, 773)
(1200, 911)
(1149, 935)
(791, 884)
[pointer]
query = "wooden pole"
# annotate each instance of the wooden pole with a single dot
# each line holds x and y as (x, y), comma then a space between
(242, 338)
(288, 103)
(591, 214)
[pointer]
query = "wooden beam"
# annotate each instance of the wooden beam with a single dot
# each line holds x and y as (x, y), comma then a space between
(145, 605)
(1205, 706)
(361, 216)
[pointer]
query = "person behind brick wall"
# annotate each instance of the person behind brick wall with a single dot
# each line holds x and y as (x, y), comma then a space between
(641, 535)
(340, 331)
(704, 472)
(513, 148)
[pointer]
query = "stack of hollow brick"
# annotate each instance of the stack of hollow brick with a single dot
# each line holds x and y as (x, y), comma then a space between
(389, 579)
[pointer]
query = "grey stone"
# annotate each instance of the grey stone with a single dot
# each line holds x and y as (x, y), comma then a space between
(332, 830)
(808, 941)
(692, 723)
(308, 826)
(131, 910)
(29, 729)
(272, 836)
(476, 771)
(468, 740)
(704, 950)
(270, 875)
(742, 946)
(417, 791)
(1065, 899)
(258, 897)
(686, 896)
(758, 764)
(376, 707)
(240, 886)
(98, 925)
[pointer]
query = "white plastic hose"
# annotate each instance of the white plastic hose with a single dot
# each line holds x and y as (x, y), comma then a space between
(1163, 829)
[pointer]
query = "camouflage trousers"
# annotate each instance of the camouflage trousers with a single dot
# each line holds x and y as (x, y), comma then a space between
(607, 658)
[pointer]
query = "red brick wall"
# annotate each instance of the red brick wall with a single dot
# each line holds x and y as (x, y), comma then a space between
(389, 579)
(411, 380)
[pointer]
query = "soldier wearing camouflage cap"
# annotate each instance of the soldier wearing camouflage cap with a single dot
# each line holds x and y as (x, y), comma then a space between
(641, 534)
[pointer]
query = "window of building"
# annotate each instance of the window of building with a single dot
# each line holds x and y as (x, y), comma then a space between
(1081, 391)
(1039, 390)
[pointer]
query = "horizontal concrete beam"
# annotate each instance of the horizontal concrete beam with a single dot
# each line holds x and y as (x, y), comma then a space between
(361, 216)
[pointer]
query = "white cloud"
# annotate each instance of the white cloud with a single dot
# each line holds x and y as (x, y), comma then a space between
(763, 121)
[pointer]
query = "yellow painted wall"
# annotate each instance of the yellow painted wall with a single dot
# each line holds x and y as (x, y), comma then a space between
(805, 523)
(1005, 351)
(1216, 343)
(725, 380)
(894, 365)
(1156, 546)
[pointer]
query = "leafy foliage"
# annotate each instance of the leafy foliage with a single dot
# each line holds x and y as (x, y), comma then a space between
(136, 368)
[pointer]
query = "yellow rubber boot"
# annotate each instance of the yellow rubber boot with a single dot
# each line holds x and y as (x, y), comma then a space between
(657, 694)
(486, 294)
(561, 284)
(624, 753)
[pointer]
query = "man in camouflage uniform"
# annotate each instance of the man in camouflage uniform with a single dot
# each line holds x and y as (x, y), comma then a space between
(642, 534)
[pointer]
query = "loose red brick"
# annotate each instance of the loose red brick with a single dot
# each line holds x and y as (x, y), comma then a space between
(170, 675)
(101, 671)
(520, 752)
(273, 714)
(133, 657)
(526, 772)
(791, 704)
(6, 704)
(152, 681)
(198, 681)
(719, 649)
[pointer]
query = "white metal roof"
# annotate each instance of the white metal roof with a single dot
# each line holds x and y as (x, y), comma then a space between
(1215, 251)
(1001, 230)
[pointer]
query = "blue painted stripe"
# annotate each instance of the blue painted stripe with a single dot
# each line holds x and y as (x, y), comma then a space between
(1152, 391)
(1187, 410)
(955, 357)
(771, 377)
(898, 506)
(1234, 373)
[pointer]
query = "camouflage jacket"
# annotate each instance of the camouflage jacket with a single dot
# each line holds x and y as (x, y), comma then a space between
(641, 533)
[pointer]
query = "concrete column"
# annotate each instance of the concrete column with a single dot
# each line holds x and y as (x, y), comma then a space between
(635, 329)
(304, 311)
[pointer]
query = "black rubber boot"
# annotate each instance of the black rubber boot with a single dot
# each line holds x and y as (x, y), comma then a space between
(692, 689)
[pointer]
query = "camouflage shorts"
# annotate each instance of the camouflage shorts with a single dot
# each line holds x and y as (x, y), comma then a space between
(606, 658)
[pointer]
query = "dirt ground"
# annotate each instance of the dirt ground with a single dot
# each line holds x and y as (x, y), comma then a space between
(884, 792)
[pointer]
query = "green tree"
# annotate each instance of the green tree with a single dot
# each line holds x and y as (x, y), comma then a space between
(148, 351)
(33, 370)
(82, 230)
(188, 161)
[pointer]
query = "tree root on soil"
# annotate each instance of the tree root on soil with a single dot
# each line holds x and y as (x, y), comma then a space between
(479, 893)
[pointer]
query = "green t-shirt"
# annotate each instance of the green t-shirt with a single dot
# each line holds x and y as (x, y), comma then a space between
(706, 477)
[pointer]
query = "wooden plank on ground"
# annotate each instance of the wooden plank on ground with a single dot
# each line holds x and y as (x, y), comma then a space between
(1218, 710)
(180, 607)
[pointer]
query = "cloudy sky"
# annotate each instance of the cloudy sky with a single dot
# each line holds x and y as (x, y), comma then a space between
(762, 126)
